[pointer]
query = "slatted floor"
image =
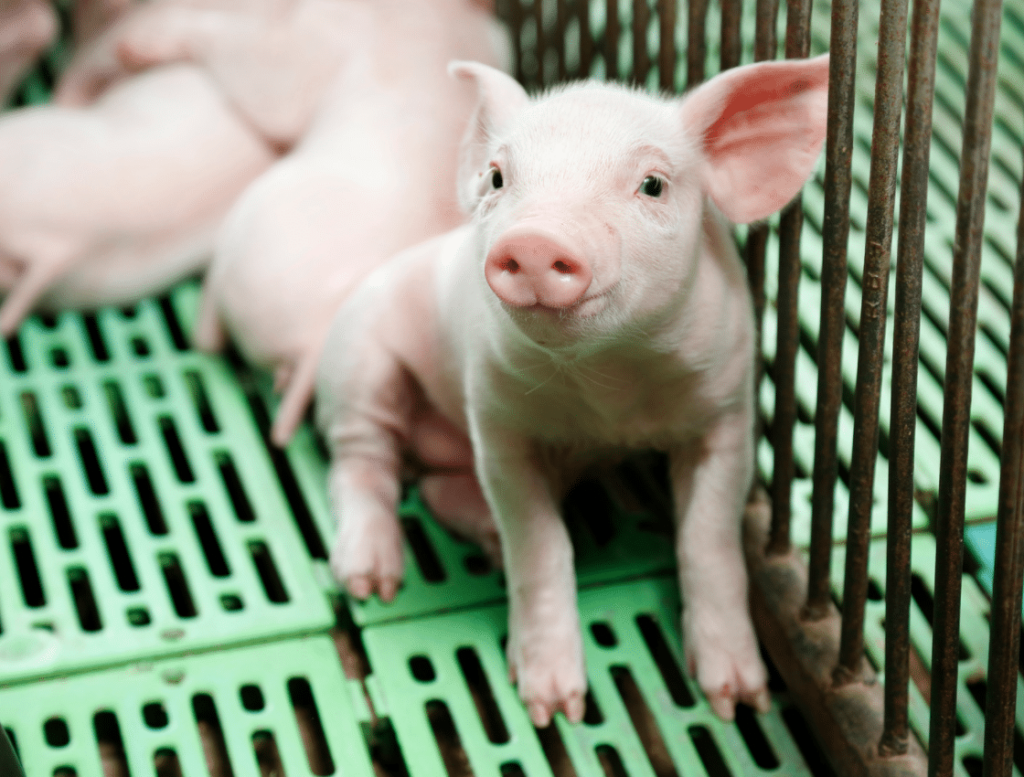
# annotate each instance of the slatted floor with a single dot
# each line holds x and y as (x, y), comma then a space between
(166, 607)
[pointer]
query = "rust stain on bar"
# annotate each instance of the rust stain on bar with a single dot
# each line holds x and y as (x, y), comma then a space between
(885, 146)
(906, 336)
(846, 720)
(835, 232)
(1004, 646)
(963, 310)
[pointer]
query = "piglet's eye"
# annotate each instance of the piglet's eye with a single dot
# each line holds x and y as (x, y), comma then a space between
(652, 186)
(496, 180)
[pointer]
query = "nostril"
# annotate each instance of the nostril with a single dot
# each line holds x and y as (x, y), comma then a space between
(563, 267)
(509, 265)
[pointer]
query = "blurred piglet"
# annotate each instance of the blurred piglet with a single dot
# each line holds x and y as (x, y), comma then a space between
(595, 305)
(26, 28)
(375, 173)
(272, 59)
(106, 204)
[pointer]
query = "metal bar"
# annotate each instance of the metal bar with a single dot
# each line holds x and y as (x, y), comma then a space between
(641, 59)
(924, 31)
(563, 11)
(586, 39)
(765, 45)
(541, 45)
(835, 233)
(611, 40)
(765, 39)
(696, 42)
(885, 147)
(667, 44)
(798, 44)
(1004, 646)
(963, 311)
(515, 31)
(732, 46)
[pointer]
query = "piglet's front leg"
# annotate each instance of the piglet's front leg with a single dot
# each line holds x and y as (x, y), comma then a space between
(710, 480)
(545, 649)
(364, 478)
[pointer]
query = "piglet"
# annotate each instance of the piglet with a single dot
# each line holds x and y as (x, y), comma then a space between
(26, 28)
(595, 305)
(374, 174)
(110, 203)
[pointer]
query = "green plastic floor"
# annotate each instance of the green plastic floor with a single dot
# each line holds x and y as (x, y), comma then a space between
(166, 606)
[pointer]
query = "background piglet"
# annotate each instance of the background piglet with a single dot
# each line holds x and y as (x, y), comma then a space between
(375, 173)
(26, 28)
(272, 59)
(596, 305)
(109, 203)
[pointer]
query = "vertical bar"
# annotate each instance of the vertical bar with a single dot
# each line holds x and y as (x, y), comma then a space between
(515, 30)
(611, 40)
(1004, 646)
(963, 311)
(667, 44)
(541, 48)
(765, 45)
(562, 13)
(696, 42)
(885, 146)
(732, 47)
(798, 44)
(641, 58)
(835, 232)
(586, 38)
(924, 32)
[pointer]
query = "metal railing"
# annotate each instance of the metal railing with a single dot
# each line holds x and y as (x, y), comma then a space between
(557, 40)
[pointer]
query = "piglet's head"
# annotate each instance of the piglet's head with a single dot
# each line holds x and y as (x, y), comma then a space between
(589, 201)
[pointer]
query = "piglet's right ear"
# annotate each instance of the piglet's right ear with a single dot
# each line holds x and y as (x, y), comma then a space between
(499, 98)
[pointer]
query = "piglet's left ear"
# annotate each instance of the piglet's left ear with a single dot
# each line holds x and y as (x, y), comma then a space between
(762, 128)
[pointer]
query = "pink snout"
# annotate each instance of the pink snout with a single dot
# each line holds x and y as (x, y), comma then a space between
(527, 267)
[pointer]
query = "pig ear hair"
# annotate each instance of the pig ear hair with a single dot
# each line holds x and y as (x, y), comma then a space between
(762, 127)
(499, 98)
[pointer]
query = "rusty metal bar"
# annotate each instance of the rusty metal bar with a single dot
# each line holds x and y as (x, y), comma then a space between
(667, 44)
(586, 39)
(641, 59)
(835, 232)
(731, 46)
(798, 44)
(765, 45)
(541, 47)
(696, 42)
(611, 40)
(1004, 646)
(956, 418)
(924, 31)
(885, 147)
(562, 14)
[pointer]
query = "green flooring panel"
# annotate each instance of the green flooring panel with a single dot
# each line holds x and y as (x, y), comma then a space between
(139, 514)
(444, 678)
(281, 708)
